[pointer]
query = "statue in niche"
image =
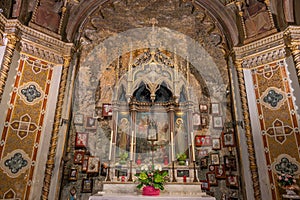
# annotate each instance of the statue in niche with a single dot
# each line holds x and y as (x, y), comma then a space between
(180, 136)
(47, 14)
(152, 130)
(257, 19)
(123, 137)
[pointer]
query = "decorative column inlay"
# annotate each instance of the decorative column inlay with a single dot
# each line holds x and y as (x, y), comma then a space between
(12, 40)
(249, 137)
(54, 136)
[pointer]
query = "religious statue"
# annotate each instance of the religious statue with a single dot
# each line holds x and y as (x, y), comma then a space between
(123, 128)
(152, 131)
(180, 136)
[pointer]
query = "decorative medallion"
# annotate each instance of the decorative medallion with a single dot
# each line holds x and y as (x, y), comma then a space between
(279, 131)
(267, 71)
(273, 98)
(285, 164)
(15, 163)
(30, 93)
(23, 126)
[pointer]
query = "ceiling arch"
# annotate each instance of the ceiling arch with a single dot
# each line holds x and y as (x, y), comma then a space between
(223, 16)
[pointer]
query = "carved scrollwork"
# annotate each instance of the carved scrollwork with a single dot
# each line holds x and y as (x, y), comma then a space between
(264, 58)
(42, 53)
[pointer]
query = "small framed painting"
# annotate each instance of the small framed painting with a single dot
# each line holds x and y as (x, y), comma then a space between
(87, 185)
(204, 163)
(215, 109)
(78, 119)
(220, 172)
(211, 178)
(73, 174)
(232, 181)
(228, 138)
(217, 121)
(216, 143)
(204, 121)
(85, 163)
(214, 159)
(78, 156)
(202, 140)
(183, 172)
(196, 119)
(212, 168)
(90, 122)
(204, 184)
(202, 153)
(81, 140)
(230, 163)
(93, 165)
(107, 110)
(203, 108)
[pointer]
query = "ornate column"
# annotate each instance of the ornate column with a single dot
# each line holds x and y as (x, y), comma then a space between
(249, 137)
(11, 45)
(296, 57)
(54, 136)
(292, 41)
(239, 5)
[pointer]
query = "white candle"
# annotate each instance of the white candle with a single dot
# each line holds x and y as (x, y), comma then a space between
(110, 145)
(172, 146)
(131, 147)
(193, 147)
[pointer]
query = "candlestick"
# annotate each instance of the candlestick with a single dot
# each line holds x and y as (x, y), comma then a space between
(193, 147)
(110, 145)
(172, 146)
(131, 147)
(130, 172)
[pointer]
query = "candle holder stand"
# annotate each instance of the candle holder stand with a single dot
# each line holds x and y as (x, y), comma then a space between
(195, 173)
(173, 171)
(108, 172)
(130, 172)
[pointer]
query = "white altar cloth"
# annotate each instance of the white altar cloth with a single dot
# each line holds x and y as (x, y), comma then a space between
(140, 197)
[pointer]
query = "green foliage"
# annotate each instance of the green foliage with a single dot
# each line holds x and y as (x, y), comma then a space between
(155, 177)
(181, 156)
(286, 180)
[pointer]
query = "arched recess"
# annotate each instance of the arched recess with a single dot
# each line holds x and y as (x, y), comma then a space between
(108, 52)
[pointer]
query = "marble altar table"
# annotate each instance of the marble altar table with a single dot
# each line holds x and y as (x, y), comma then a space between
(139, 197)
(128, 191)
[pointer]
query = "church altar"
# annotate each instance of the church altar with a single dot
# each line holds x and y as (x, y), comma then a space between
(162, 197)
(128, 191)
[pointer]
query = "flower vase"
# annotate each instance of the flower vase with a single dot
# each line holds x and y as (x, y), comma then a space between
(150, 191)
(290, 190)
